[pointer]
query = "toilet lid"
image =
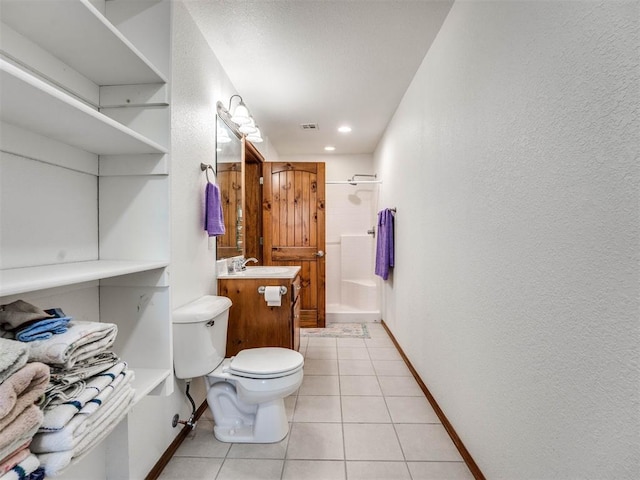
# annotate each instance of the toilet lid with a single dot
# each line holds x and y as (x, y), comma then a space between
(265, 362)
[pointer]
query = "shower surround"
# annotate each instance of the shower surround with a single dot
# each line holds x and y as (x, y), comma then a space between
(353, 291)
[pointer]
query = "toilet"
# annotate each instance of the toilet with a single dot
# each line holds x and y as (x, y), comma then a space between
(245, 393)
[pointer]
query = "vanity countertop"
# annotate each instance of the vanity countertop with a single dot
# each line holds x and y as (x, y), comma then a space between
(264, 271)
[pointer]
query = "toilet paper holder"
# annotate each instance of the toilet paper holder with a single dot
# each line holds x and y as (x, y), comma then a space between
(283, 290)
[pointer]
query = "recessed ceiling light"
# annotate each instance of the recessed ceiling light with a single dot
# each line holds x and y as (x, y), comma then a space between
(329, 148)
(344, 129)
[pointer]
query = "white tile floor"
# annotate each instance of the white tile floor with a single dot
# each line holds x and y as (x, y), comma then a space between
(359, 415)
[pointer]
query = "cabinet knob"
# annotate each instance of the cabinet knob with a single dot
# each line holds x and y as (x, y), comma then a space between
(320, 253)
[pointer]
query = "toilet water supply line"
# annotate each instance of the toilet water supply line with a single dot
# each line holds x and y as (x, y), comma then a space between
(191, 423)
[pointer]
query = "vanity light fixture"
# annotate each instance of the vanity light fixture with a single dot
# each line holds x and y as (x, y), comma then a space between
(329, 148)
(240, 121)
(240, 115)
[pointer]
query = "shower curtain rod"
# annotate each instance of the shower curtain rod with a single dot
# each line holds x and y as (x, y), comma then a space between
(350, 182)
(353, 181)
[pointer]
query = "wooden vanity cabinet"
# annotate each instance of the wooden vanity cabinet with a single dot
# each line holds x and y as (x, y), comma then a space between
(252, 323)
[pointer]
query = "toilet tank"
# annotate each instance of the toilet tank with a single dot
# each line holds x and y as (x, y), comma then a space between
(200, 336)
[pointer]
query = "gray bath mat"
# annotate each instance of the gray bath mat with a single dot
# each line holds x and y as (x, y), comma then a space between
(346, 330)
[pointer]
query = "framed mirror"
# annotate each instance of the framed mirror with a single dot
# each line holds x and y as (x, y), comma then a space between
(230, 179)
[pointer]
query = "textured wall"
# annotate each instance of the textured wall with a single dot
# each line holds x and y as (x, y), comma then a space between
(198, 83)
(513, 162)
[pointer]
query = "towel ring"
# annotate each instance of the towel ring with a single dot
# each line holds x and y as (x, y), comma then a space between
(205, 168)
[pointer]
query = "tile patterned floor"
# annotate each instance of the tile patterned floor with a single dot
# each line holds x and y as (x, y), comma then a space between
(359, 415)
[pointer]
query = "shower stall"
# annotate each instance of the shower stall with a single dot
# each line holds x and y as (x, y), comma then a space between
(352, 289)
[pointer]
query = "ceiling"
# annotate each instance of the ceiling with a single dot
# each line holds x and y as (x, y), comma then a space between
(320, 61)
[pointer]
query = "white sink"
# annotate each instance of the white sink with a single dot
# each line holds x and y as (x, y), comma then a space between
(264, 271)
(267, 270)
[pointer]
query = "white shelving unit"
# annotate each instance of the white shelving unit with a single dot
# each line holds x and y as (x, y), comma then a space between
(34, 105)
(14, 281)
(148, 379)
(78, 34)
(110, 233)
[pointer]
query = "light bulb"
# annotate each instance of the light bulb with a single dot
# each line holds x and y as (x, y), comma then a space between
(240, 114)
(248, 128)
(255, 137)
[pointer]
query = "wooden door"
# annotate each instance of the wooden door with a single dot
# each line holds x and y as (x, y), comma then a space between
(294, 230)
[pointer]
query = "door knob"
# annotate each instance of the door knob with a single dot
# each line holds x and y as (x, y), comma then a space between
(320, 253)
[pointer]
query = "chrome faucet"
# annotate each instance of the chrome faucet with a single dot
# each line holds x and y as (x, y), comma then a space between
(243, 265)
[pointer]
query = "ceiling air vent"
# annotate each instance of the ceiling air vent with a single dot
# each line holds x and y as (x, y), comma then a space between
(309, 126)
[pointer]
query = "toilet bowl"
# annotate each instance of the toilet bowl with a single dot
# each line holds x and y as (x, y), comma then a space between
(245, 393)
(248, 403)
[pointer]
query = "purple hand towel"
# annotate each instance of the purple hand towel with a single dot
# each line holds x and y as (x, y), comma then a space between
(213, 216)
(384, 246)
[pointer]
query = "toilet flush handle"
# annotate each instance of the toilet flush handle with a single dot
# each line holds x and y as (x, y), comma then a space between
(211, 323)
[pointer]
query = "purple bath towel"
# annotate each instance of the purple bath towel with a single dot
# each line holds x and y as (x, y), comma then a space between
(213, 216)
(384, 247)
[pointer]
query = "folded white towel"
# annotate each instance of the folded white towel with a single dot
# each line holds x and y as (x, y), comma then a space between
(13, 356)
(25, 468)
(83, 369)
(66, 384)
(14, 459)
(54, 463)
(82, 340)
(92, 417)
(57, 416)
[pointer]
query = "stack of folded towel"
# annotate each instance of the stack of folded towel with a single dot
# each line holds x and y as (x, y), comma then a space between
(88, 389)
(66, 384)
(72, 428)
(22, 387)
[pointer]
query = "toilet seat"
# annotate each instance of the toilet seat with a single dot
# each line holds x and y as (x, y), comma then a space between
(265, 362)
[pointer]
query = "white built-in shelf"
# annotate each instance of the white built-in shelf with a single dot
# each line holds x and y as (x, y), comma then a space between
(14, 281)
(146, 379)
(79, 35)
(30, 103)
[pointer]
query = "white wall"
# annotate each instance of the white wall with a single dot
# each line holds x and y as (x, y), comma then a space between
(198, 83)
(349, 209)
(513, 162)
